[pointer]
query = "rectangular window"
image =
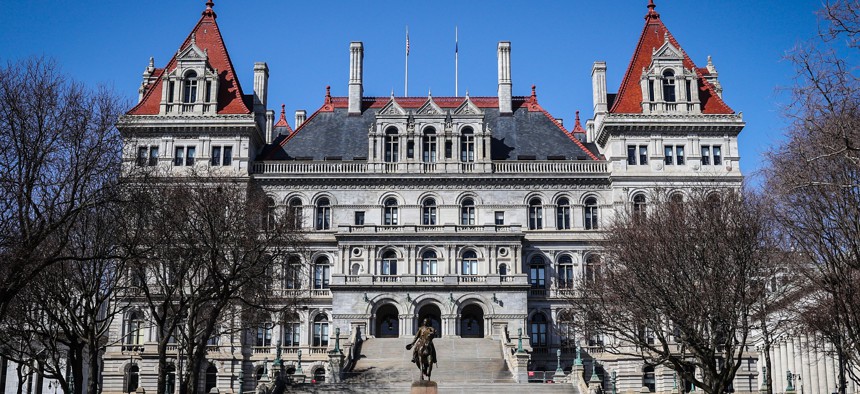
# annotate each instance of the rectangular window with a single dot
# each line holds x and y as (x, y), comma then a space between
(153, 156)
(668, 155)
(292, 335)
(264, 335)
(631, 155)
(171, 87)
(142, 153)
(179, 156)
(216, 155)
(448, 149)
(500, 218)
(650, 90)
(689, 92)
(208, 91)
(537, 276)
(679, 153)
(643, 155)
(718, 155)
(706, 155)
(410, 149)
(228, 156)
(359, 218)
(189, 155)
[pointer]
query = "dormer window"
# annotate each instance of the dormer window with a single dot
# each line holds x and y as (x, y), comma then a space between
(467, 145)
(669, 86)
(392, 145)
(189, 95)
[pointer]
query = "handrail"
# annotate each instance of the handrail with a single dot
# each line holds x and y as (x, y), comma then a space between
(362, 167)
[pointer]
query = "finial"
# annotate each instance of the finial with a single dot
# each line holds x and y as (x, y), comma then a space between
(284, 111)
(328, 90)
(209, 11)
(534, 92)
(152, 61)
(577, 117)
(392, 92)
(429, 92)
(467, 93)
(651, 12)
(666, 36)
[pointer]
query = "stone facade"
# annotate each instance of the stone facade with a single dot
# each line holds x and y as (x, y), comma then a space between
(477, 212)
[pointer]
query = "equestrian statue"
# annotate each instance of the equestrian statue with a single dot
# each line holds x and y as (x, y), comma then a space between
(423, 351)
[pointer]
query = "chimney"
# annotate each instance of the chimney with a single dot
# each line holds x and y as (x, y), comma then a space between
(261, 86)
(505, 77)
(598, 87)
(301, 115)
(356, 72)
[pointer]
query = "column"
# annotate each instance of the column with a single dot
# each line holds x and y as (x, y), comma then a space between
(808, 381)
(821, 371)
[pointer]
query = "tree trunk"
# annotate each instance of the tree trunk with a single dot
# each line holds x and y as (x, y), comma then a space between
(77, 367)
(162, 365)
(767, 362)
(21, 378)
(93, 361)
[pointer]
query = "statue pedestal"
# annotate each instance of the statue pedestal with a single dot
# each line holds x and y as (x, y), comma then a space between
(424, 387)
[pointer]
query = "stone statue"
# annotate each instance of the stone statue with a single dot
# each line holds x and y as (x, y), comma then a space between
(423, 351)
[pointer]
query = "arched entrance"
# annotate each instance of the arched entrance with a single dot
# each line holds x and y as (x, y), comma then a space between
(433, 313)
(387, 323)
(472, 322)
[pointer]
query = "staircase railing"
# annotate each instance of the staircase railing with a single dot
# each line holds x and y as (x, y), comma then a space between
(354, 351)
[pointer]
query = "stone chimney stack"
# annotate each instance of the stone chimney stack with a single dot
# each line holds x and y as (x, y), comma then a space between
(598, 87)
(356, 73)
(301, 115)
(261, 86)
(505, 77)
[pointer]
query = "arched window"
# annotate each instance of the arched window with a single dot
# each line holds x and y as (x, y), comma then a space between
(648, 378)
(565, 272)
(170, 379)
(291, 273)
(467, 212)
(467, 145)
(392, 145)
(428, 263)
(319, 375)
(134, 329)
(322, 273)
(429, 145)
(323, 214)
(296, 212)
(132, 378)
(470, 263)
(639, 206)
(264, 335)
(271, 214)
(562, 211)
(538, 330)
(189, 95)
(211, 378)
(389, 263)
(321, 331)
(591, 218)
(291, 334)
(390, 212)
(428, 212)
(593, 268)
(258, 375)
(566, 331)
(669, 86)
(537, 272)
(535, 214)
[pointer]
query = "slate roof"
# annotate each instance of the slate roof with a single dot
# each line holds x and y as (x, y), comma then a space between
(629, 97)
(207, 36)
(530, 133)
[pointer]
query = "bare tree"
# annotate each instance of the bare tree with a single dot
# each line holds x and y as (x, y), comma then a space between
(814, 178)
(205, 249)
(678, 285)
(59, 150)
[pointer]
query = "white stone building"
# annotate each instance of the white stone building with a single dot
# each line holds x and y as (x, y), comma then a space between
(476, 212)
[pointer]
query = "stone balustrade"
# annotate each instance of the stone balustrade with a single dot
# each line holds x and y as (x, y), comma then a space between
(428, 280)
(295, 167)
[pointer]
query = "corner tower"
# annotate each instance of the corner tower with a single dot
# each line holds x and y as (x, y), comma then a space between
(668, 122)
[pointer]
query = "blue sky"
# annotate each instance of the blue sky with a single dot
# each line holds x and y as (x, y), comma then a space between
(305, 43)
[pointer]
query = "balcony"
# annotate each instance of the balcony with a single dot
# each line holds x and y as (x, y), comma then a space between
(298, 167)
(302, 293)
(428, 280)
(437, 229)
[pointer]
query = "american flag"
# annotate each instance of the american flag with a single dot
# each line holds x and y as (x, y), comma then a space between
(407, 41)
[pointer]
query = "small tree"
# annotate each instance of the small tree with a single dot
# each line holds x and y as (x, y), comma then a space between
(678, 284)
(814, 179)
(204, 253)
(59, 150)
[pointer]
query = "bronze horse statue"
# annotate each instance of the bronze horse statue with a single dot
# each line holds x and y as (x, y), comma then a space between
(423, 350)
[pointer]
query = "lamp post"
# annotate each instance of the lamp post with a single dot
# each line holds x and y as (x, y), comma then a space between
(520, 340)
(299, 363)
(558, 370)
(614, 381)
(241, 380)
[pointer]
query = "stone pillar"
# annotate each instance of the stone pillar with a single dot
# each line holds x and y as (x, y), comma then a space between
(261, 86)
(505, 85)
(598, 87)
(356, 72)
(522, 372)
(335, 360)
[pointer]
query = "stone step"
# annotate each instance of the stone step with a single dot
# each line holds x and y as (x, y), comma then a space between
(461, 360)
(444, 388)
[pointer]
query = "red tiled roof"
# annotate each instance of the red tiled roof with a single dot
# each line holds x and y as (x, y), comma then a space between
(629, 99)
(207, 36)
(282, 121)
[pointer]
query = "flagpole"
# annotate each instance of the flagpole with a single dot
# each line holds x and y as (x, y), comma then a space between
(456, 64)
(406, 74)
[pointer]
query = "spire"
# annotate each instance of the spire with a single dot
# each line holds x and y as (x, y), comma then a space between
(651, 13)
(209, 11)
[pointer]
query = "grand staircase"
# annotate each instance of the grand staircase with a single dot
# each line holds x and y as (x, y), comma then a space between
(473, 366)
